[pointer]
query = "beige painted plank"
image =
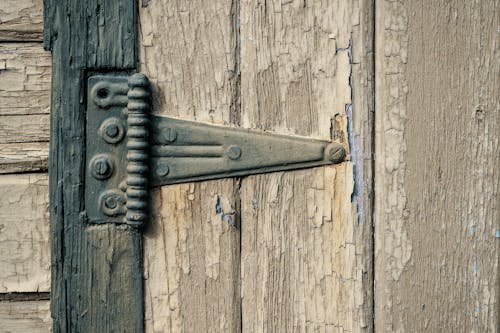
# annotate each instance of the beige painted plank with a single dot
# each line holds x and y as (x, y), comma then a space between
(438, 168)
(23, 157)
(24, 233)
(25, 72)
(192, 260)
(26, 316)
(21, 20)
(24, 106)
(26, 128)
(191, 249)
(303, 250)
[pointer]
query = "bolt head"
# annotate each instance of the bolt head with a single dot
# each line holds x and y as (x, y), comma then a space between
(102, 167)
(112, 130)
(337, 153)
(233, 152)
(162, 169)
(111, 202)
(169, 135)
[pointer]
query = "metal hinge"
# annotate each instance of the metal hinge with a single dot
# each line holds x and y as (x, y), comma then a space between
(128, 150)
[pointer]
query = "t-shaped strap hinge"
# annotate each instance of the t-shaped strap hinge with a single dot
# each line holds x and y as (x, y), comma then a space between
(128, 150)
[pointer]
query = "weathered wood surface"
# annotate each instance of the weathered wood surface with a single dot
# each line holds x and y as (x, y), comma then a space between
(23, 157)
(23, 317)
(26, 128)
(96, 270)
(296, 74)
(21, 20)
(303, 243)
(438, 168)
(192, 260)
(25, 70)
(24, 107)
(24, 233)
(191, 250)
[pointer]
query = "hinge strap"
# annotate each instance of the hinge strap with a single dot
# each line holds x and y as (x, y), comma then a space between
(161, 150)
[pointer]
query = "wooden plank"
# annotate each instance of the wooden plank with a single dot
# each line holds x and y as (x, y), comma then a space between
(305, 246)
(24, 233)
(438, 170)
(24, 107)
(26, 128)
(23, 157)
(96, 269)
(25, 85)
(21, 20)
(31, 316)
(192, 260)
(191, 249)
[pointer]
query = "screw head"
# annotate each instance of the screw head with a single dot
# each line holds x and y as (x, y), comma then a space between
(112, 130)
(110, 202)
(102, 167)
(336, 153)
(233, 152)
(169, 135)
(162, 169)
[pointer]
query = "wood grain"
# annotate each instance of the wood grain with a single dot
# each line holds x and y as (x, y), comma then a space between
(305, 245)
(437, 171)
(24, 233)
(192, 259)
(31, 316)
(27, 128)
(25, 72)
(23, 157)
(96, 269)
(24, 106)
(191, 250)
(21, 20)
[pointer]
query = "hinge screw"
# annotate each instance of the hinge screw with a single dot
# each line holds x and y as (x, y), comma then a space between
(169, 135)
(110, 202)
(112, 130)
(234, 152)
(162, 169)
(337, 153)
(101, 167)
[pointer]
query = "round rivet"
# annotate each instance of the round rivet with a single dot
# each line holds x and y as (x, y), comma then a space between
(337, 153)
(112, 130)
(233, 152)
(169, 135)
(102, 167)
(111, 202)
(162, 169)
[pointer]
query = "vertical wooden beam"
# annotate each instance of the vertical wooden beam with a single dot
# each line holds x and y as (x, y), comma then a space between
(437, 171)
(96, 270)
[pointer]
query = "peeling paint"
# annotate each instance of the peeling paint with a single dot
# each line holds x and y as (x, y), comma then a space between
(227, 215)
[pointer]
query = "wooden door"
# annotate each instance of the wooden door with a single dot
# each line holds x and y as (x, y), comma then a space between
(284, 251)
(403, 236)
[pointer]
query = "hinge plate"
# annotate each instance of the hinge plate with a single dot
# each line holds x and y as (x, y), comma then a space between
(128, 149)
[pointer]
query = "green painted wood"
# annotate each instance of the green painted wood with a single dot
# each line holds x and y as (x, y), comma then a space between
(96, 269)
